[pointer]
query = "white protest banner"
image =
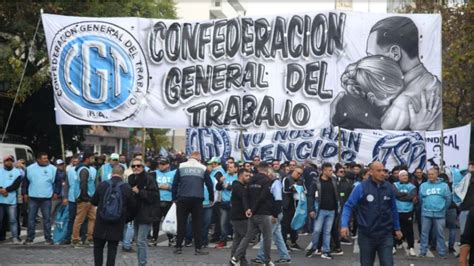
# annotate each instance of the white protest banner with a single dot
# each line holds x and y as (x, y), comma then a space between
(294, 71)
(316, 145)
(394, 148)
(455, 150)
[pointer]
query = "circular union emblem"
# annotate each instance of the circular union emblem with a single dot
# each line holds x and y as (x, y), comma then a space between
(99, 72)
(370, 198)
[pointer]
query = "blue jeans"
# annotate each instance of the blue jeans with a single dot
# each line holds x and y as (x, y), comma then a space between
(323, 224)
(225, 223)
(370, 246)
(142, 242)
(70, 223)
(451, 217)
(462, 220)
(438, 228)
(33, 206)
(206, 223)
(278, 240)
(10, 210)
(128, 233)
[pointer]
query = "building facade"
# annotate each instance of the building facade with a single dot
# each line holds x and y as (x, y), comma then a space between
(101, 141)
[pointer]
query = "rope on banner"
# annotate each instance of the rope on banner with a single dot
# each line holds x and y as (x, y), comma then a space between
(21, 79)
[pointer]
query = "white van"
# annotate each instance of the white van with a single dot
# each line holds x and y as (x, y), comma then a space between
(19, 151)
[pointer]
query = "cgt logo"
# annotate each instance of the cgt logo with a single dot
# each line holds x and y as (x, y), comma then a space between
(405, 149)
(209, 142)
(99, 72)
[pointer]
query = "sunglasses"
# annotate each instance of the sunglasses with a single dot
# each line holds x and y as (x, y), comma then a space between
(137, 166)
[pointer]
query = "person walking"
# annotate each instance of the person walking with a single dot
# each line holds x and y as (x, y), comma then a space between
(147, 195)
(277, 216)
(109, 230)
(188, 193)
(322, 206)
(290, 201)
(261, 200)
(344, 187)
(239, 204)
(406, 194)
(435, 198)
(377, 217)
(38, 190)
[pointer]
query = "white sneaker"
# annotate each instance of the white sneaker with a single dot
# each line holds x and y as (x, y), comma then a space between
(411, 252)
(394, 251)
(16, 241)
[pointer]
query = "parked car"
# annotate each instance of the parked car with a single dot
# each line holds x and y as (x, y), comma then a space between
(19, 151)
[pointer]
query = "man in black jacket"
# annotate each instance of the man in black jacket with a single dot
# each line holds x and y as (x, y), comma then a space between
(107, 232)
(344, 187)
(239, 203)
(260, 213)
(147, 212)
(290, 196)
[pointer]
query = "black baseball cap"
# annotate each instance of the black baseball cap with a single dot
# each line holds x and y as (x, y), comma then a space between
(164, 161)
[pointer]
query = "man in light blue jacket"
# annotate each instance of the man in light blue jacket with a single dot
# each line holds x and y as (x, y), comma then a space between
(435, 198)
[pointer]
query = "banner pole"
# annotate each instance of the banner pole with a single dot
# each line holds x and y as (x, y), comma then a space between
(143, 141)
(27, 55)
(441, 163)
(339, 144)
(61, 137)
(241, 139)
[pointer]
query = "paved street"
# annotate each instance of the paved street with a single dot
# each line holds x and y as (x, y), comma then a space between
(41, 254)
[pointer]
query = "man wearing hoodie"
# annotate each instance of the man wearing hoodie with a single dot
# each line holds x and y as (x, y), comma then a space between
(147, 196)
(435, 198)
(83, 192)
(260, 213)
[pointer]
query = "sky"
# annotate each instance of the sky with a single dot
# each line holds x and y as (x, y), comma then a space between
(266, 7)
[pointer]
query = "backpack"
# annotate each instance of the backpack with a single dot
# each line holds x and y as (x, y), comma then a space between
(111, 209)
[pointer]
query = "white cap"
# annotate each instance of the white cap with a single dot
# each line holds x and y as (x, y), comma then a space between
(402, 172)
(59, 161)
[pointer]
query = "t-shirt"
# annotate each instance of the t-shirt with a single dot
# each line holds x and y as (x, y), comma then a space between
(328, 199)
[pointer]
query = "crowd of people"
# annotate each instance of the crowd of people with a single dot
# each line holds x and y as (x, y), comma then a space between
(114, 200)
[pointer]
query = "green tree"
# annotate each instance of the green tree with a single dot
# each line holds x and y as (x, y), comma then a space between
(157, 138)
(34, 106)
(458, 60)
(457, 56)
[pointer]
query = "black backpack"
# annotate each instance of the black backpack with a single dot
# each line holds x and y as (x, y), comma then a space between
(111, 209)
